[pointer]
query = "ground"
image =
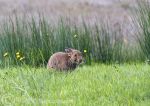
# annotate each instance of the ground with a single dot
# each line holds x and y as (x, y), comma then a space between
(96, 85)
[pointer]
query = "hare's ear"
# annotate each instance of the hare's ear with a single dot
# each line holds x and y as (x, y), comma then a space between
(68, 50)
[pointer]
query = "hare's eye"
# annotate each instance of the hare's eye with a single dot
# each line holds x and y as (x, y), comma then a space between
(75, 55)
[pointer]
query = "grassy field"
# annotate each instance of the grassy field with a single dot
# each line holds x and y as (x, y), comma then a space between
(96, 85)
(120, 75)
(32, 41)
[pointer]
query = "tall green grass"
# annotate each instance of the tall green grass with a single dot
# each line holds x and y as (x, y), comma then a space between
(37, 40)
(107, 47)
(142, 18)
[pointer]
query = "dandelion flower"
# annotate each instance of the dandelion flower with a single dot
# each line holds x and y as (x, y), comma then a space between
(17, 53)
(18, 56)
(5, 54)
(75, 36)
(85, 51)
(22, 58)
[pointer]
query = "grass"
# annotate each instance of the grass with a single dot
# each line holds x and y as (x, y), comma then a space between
(96, 85)
(37, 40)
(144, 23)
(22, 83)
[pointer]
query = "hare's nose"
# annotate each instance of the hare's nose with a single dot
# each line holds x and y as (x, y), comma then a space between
(80, 60)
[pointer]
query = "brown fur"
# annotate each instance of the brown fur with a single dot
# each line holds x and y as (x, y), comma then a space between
(67, 60)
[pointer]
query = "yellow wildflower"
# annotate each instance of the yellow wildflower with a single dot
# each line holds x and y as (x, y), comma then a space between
(5, 54)
(85, 51)
(75, 36)
(18, 56)
(17, 53)
(22, 58)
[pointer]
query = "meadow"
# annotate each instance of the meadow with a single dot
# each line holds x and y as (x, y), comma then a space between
(96, 85)
(116, 72)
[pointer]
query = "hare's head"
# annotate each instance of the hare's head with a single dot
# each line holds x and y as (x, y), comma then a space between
(75, 55)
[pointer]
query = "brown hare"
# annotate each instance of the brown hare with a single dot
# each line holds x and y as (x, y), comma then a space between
(67, 60)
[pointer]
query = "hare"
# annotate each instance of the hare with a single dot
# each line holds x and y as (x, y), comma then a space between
(67, 60)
